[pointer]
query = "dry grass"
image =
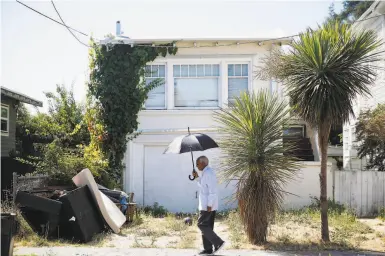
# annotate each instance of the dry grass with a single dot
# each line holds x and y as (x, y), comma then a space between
(300, 230)
(293, 230)
(168, 232)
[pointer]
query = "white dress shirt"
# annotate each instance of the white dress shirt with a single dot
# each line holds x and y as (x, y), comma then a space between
(208, 195)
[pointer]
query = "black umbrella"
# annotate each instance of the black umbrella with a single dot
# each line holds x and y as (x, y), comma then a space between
(190, 143)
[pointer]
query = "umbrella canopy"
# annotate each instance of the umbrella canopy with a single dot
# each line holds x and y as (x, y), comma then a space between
(190, 143)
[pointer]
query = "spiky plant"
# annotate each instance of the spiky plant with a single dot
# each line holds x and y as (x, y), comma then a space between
(251, 131)
(324, 71)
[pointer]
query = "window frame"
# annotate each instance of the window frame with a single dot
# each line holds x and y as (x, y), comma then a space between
(200, 59)
(165, 85)
(227, 77)
(5, 133)
(197, 62)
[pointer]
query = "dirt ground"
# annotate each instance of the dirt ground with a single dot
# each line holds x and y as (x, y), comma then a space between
(290, 232)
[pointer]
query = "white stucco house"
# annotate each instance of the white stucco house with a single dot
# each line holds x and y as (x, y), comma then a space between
(373, 19)
(202, 77)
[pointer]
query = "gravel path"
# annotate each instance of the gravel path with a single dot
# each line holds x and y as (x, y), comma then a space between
(92, 251)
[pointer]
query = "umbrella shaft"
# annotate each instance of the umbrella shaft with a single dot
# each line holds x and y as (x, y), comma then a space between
(192, 159)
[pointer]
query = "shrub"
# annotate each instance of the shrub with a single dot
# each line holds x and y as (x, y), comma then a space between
(155, 211)
(370, 130)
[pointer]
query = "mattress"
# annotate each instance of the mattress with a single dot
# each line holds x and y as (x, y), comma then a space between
(110, 212)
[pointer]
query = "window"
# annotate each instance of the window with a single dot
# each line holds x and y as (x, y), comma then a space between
(238, 79)
(294, 131)
(4, 120)
(156, 97)
(196, 85)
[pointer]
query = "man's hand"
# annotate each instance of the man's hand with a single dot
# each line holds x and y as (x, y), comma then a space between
(195, 174)
(209, 208)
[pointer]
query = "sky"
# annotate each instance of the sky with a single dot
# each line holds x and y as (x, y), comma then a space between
(36, 53)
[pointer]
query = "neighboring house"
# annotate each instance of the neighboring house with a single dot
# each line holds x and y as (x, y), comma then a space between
(202, 77)
(9, 103)
(373, 19)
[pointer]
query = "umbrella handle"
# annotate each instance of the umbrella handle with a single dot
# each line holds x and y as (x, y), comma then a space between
(191, 177)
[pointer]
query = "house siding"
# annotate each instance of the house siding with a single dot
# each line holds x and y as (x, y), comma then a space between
(8, 142)
(377, 90)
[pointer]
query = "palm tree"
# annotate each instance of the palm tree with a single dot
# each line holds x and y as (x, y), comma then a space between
(251, 140)
(323, 72)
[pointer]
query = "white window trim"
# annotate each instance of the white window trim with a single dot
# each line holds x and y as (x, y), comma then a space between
(7, 119)
(249, 76)
(165, 85)
(222, 78)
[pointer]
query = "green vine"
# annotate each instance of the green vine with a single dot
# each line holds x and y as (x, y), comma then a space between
(118, 91)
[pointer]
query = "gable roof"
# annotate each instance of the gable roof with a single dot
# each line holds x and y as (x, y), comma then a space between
(20, 97)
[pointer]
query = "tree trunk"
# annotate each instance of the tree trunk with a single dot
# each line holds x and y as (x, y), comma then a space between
(323, 139)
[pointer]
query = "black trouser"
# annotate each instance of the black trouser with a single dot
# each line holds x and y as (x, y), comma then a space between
(206, 225)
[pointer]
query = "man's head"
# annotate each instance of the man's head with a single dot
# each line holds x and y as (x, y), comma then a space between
(202, 162)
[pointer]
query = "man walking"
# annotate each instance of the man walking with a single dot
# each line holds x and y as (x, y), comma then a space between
(208, 205)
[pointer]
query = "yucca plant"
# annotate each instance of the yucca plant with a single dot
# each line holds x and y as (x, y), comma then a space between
(251, 131)
(324, 71)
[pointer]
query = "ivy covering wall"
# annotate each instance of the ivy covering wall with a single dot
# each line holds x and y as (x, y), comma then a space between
(117, 92)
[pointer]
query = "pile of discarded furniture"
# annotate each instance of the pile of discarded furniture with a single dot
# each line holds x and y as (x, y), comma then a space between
(78, 214)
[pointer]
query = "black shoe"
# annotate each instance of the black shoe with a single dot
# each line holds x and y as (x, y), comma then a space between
(206, 252)
(219, 247)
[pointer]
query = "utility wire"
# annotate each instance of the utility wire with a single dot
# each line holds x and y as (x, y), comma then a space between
(53, 4)
(42, 14)
(253, 42)
(159, 46)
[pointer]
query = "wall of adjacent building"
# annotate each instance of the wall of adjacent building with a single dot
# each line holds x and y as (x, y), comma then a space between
(8, 140)
(351, 161)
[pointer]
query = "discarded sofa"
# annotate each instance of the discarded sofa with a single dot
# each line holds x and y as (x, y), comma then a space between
(78, 214)
(73, 216)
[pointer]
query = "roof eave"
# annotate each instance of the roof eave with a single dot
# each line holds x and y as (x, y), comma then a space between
(20, 97)
(126, 40)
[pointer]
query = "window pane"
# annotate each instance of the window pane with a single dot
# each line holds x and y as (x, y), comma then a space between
(4, 127)
(192, 71)
(202, 92)
(236, 86)
(237, 69)
(200, 70)
(230, 70)
(176, 70)
(245, 70)
(184, 71)
(148, 71)
(156, 97)
(216, 70)
(208, 70)
(293, 132)
(162, 71)
(4, 112)
(154, 71)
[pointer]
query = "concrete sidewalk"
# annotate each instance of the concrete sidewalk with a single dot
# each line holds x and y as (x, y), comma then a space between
(105, 251)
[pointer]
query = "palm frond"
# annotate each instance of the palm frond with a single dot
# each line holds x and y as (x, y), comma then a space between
(325, 70)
